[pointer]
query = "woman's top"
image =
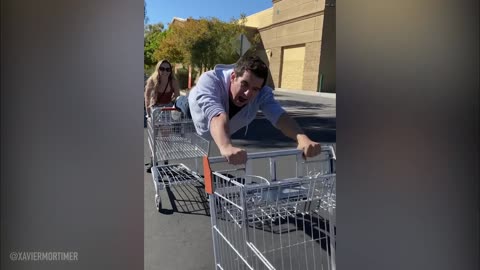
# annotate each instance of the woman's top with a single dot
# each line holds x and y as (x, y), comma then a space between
(159, 96)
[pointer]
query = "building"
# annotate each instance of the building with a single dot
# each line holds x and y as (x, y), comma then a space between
(298, 42)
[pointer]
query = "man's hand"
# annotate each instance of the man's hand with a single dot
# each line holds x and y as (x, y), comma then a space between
(309, 147)
(289, 127)
(234, 155)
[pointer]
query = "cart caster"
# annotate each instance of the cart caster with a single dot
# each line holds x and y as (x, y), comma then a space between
(158, 202)
(148, 167)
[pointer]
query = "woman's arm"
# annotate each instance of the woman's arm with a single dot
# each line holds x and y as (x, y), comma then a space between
(176, 90)
(148, 94)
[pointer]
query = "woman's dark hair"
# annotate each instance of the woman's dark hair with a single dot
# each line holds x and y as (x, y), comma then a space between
(253, 64)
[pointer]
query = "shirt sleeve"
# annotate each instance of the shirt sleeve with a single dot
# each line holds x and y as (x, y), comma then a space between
(270, 107)
(209, 97)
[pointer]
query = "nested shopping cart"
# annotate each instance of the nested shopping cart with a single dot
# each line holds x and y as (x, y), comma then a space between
(270, 222)
(172, 136)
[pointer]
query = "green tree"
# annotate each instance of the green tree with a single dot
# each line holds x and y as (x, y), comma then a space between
(178, 41)
(218, 44)
(201, 43)
(153, 36)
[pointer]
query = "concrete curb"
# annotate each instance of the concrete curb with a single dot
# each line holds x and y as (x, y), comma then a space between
(307, 93)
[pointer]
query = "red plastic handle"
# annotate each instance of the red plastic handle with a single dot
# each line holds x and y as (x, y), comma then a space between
(207, 174)
(169, 109)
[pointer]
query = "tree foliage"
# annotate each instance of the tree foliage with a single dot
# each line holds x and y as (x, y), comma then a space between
(201, 42)
(217, 44)
(153, 36)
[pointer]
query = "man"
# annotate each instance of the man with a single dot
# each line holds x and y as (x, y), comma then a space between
(227, 98)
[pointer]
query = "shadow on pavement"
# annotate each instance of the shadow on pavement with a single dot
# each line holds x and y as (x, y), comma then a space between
(303, 105)
(261, 133)
(187, 199)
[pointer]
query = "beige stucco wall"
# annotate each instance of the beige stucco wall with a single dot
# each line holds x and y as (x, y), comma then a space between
(305, 32)
(260, 19)
(290, 9)
(293, 23)
(299, 32)
(311, 66)
(275, 64)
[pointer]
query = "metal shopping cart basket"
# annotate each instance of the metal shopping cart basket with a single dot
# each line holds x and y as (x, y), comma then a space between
(261, 222)
(172, 136)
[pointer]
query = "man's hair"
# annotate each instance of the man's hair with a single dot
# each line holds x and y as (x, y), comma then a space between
(253, 64)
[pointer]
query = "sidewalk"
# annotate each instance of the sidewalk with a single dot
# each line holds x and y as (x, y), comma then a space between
(183, 92)
(307, 93)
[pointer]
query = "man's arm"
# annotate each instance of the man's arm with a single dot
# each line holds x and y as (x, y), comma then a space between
(220, 134)
(290, 128)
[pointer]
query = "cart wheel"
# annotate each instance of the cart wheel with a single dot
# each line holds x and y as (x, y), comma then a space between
(148, 167)
(158, 202)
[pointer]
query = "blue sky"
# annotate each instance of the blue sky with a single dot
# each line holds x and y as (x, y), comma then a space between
(164, 10)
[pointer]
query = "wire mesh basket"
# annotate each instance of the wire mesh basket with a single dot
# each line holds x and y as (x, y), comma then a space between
(282, 224)
(172, 136)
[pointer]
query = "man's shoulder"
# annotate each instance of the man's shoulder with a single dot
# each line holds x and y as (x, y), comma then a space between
(267, 88)
(218, 70)
(218, 75)
(222, 67)
(265, 96)
(222, 72)
(207, 78)
(266, 91)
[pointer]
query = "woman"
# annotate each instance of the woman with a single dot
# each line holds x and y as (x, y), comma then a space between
(161, 90)
(162, 87)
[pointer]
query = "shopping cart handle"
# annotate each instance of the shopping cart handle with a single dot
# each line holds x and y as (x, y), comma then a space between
(257, 155)
(207, 161)
(276, 153)
(330, 150)
(168, 109)
(161, 109)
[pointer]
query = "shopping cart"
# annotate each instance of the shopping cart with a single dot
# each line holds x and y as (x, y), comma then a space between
(269, 222)
(172, 136)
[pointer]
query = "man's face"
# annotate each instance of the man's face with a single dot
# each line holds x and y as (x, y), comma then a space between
(244, 88)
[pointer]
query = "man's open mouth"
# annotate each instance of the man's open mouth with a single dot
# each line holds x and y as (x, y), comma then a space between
(241, 99)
